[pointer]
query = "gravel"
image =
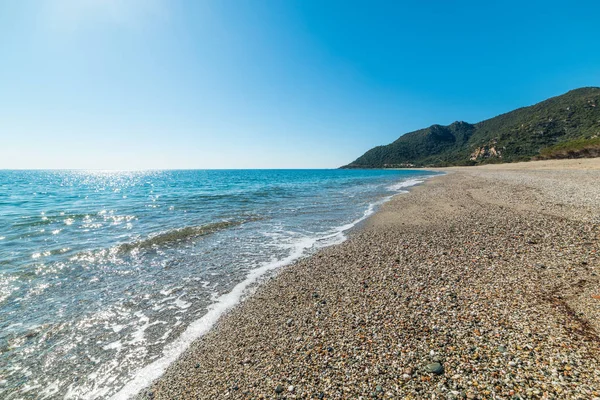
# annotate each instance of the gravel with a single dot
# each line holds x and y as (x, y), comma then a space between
(478, 284)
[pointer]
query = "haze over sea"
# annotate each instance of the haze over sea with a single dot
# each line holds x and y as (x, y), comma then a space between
(105, 277)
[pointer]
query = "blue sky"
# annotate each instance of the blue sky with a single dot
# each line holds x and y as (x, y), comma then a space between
(136, 84)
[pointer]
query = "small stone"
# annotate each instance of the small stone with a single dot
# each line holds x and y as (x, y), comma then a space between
(278, 389)
(512, 364)
(379, 388)
(406, 377)
(290, 322)
(330, 349)
(502, 349)
(453, 395)
(435, 368)
(291, 388)
(197, 365)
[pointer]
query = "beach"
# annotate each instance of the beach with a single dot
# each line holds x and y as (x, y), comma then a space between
(481, 283)
(116, 273)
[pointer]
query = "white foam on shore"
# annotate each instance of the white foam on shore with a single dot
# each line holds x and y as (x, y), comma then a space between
(145, 376)
(405, 184)
(196, 329)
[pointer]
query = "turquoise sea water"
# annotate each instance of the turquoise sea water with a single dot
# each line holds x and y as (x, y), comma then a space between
(106, 277)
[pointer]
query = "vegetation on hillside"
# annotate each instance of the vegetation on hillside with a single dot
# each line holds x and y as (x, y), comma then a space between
(522, 134)
(580, 148)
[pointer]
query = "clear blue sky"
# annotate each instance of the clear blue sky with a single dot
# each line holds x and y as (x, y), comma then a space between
(136, 84)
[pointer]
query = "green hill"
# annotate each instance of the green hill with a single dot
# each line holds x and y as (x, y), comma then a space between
(562, 126)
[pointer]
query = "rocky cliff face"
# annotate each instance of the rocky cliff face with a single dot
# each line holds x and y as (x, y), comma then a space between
(485, 152)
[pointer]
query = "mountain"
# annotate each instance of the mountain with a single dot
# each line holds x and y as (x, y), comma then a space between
(560, 127)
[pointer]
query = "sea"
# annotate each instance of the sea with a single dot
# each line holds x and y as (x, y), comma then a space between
(106, 277)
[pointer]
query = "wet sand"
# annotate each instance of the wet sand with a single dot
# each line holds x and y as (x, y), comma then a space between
(482, 283)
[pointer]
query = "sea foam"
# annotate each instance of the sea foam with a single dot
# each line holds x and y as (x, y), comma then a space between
(227, 301)
(151, 260)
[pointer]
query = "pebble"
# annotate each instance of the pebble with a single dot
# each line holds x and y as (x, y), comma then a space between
(445, 275)
(435, 368)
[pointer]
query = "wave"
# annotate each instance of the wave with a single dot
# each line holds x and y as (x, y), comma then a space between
(405, 184)
(49, 219)
(181, 234)
(144, 377)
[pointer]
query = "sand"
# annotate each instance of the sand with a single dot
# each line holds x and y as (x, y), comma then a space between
(482, 283)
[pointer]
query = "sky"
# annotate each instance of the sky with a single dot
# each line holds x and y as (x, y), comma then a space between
(168, 84)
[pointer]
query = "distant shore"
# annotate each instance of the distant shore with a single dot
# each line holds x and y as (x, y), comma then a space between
(482, 283)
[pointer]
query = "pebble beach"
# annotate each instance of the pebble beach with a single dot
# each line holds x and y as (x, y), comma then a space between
(483, 283)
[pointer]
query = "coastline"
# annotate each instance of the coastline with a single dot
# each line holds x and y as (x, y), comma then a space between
(488, 271)
(224, 303)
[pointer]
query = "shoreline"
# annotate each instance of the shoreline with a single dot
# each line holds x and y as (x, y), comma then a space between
(414, 286)
(244, 289)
